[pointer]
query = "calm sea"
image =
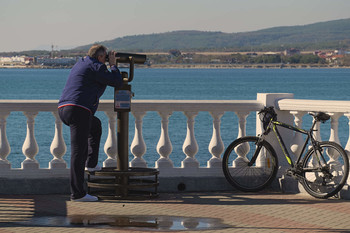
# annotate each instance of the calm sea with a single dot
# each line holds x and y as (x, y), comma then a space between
(221, 84)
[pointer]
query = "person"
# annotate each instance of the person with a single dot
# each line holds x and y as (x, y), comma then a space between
(86, 83)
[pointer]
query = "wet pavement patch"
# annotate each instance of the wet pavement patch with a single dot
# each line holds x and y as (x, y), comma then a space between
(139, 222)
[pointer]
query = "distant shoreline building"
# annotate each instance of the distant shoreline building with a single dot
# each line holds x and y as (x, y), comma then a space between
(44, 61)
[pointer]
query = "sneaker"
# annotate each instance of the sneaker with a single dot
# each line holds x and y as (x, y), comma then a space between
(93, 169)
(86, 198)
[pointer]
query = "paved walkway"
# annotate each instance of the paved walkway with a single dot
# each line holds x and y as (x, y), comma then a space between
(178, 212)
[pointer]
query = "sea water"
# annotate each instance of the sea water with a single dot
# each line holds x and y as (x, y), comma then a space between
(157, 84)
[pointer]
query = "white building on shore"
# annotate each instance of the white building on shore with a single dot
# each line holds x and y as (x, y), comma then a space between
(12, 60)
(44, 61)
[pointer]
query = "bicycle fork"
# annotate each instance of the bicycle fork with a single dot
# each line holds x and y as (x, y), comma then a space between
(256, 153)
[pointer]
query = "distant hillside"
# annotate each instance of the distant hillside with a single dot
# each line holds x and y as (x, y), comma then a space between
(324, 35)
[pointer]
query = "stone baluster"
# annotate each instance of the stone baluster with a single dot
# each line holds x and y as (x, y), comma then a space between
(334, 133)
(190, 146)
(164, 146)
(347, 147)
(242, 121)
(58, 146)
(216, 145)
(111, 147)
(138, 146)
(243, 149)
(297, 140)
(334, 127)
(30, 147)
(5, 148)
(337, 165)
(317, 132)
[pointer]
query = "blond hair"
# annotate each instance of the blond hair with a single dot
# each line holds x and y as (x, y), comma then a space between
(96, 50)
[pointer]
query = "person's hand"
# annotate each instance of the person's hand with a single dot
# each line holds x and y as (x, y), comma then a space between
(111, 58)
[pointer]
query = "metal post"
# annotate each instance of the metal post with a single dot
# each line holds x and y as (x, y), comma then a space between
(123, 143)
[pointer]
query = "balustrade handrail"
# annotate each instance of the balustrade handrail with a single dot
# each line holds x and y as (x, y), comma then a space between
(314, 105)
(141, 105)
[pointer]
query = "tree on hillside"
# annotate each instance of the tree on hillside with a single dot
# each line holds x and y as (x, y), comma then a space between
(310, 59)
(175, 52)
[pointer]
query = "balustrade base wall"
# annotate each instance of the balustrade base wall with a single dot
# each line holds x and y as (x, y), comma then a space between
(31, 186)
(166, 184)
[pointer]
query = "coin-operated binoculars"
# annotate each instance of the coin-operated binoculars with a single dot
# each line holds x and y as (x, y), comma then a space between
(122, 105)
(124, 182)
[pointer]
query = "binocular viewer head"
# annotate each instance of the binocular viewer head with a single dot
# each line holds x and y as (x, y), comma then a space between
(128, 58)
(131, 59)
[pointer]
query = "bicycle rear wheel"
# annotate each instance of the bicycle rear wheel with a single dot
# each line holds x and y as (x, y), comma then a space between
(245, 177)
(325, 178)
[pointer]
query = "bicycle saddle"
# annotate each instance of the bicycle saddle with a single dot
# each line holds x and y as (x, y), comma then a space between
(321, 116)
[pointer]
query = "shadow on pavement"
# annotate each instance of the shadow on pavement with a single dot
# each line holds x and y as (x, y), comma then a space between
(235, 198)
(22, 208)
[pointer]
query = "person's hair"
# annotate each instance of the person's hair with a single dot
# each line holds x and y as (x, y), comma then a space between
(96, 50)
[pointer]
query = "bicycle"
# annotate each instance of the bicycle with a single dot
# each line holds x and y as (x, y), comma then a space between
(250, 163)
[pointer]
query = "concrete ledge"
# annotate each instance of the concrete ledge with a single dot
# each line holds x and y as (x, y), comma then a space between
(34, 186)
(193, 184)
(61, 185)
(166, 184)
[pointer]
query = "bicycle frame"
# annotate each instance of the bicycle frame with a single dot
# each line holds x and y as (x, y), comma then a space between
(250, 163)
(276, 123)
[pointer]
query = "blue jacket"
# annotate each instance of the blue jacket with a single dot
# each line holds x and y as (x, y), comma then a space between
(87, 82)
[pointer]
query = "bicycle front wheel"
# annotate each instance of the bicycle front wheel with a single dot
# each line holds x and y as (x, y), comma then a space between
(243, 175)
(325, 173)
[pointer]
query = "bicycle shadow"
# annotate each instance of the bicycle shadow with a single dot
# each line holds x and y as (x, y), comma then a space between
(237, 198)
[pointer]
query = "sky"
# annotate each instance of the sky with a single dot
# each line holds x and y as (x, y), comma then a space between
(38, 24)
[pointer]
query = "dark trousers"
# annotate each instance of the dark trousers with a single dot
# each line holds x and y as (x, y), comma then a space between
(85, 131)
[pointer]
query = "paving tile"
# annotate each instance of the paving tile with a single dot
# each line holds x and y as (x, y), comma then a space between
(227, 212)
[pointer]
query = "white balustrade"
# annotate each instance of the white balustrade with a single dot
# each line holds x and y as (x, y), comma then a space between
(297, 141)
(242, 121)
(286, 106)
(347, 146)
(164, 146)
(138, 146)
(216, 145)
(243, 149)
(317, 131)
(5, 148)
(165, 108)
(30, 147)
(58, 146)
(334, 134)
(110, 147)
(334, 127)
(190, 146)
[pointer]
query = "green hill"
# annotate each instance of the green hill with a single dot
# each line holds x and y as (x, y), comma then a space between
(324, 35)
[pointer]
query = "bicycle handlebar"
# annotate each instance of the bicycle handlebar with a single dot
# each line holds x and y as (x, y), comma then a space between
(268, 112)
